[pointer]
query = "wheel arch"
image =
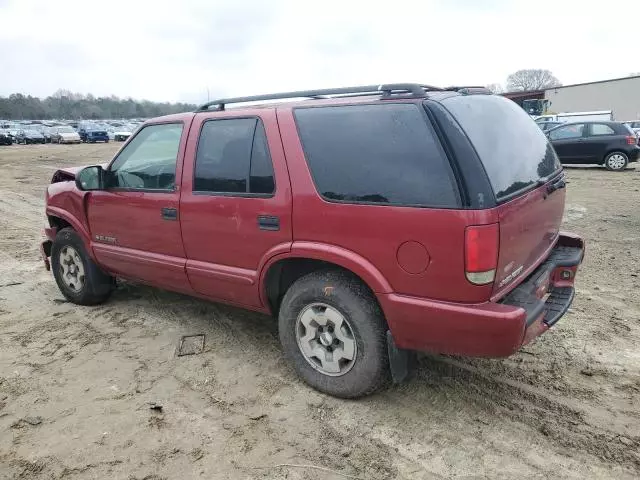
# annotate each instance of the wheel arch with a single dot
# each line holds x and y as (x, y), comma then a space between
(60, 219)
(281, 271)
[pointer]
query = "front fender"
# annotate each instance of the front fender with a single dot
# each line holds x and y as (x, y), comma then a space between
(64, 201)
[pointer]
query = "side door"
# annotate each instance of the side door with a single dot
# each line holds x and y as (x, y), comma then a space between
(599, 137)
(568, 142)
(134, 222)
(235, 208)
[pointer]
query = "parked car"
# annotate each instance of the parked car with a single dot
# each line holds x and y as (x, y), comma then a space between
(635, 126)
(545, 126)
(612, 144)
(45, 131)
(12, 131)
(64, 135)
(91, 133)
(29, 135)
(5, 138)
(119, 134)
(376, 222)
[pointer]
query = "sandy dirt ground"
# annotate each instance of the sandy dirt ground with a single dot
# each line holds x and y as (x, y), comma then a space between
(77, 383)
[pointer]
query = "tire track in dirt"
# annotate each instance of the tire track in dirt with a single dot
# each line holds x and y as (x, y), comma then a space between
(573, 424)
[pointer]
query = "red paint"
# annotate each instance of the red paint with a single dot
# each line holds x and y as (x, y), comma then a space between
(484, 330)
(537, 328)
(413, 259)
(529, 228)
(222, 241)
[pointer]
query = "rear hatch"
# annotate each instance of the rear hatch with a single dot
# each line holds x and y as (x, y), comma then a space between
(526, 177)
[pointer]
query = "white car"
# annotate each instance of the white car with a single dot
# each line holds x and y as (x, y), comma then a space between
(119, 134)
(64, 135)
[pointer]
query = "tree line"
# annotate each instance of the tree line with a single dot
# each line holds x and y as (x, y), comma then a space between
(527, 80)
(75, 106)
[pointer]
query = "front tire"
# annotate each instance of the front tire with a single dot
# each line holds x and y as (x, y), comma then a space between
(616, 161)
(79, 279)
(334, 333)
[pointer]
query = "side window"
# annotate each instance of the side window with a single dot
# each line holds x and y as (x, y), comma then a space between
(233, 157)
(567, 132)
(601, 129)
(383, 154)
(149, 160)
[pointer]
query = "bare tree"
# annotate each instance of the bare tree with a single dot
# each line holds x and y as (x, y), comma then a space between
(495, 88)
(533, 79)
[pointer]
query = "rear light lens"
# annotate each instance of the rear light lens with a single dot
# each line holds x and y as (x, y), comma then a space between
(632, 140)
(481, 253)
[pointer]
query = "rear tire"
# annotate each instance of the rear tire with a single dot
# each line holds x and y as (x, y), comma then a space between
(334, 333)
(616, 161)
(79, 279)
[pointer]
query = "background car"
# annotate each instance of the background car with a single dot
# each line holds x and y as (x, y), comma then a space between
(119, 134)
(635, 126)
(29, 135)
(45, 131)
(612, 144)
(5, 139)
(91, 133)
(64, 134)
(546, 126)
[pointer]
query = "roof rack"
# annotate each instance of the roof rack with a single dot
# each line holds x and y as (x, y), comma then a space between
(391, 90)
(470, 90)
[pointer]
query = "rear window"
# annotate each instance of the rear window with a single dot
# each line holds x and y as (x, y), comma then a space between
(514, 151)
(380, 154)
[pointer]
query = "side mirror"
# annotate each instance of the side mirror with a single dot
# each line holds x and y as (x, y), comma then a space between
(90, 178)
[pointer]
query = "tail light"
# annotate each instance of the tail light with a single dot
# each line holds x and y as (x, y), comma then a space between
(481, 253)
(632, 140)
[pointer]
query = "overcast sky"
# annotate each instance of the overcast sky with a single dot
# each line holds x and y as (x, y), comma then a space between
(175, 50)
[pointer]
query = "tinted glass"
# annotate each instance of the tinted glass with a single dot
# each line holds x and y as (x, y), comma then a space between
(149, 160)
(261, 176)
(231, 160)
(514, 151)
(601, 129)
(375, 154)
(567, 132)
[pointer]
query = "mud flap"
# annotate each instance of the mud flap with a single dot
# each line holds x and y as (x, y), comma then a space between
(401, 361)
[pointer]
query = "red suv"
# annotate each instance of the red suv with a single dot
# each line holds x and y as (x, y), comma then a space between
(372, 221)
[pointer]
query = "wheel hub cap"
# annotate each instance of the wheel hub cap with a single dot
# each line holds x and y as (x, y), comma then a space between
(616, 161)
(71, 269)
(326, 339)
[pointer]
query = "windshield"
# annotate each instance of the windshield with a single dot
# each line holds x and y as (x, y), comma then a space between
(66, 130)
(513, 149)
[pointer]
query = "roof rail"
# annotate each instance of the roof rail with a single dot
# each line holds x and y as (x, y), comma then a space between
(470, 90)
(391, 90)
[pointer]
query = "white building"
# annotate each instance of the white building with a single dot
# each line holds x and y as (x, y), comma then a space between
(620, 95)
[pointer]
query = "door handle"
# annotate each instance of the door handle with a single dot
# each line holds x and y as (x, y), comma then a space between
(169, 213)
(267, 222)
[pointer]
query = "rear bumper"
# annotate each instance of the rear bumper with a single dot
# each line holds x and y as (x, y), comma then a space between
(489, 329)
(634, 154)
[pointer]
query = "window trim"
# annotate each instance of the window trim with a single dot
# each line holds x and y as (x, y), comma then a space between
(591, 134)
(585, 129)
(235, 194)
(452, 178)
(134, 135)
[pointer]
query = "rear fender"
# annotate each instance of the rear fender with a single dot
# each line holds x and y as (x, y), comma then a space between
(332, 254)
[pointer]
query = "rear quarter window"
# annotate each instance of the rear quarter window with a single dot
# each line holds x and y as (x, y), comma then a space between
(377, 154)
(513, 149)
